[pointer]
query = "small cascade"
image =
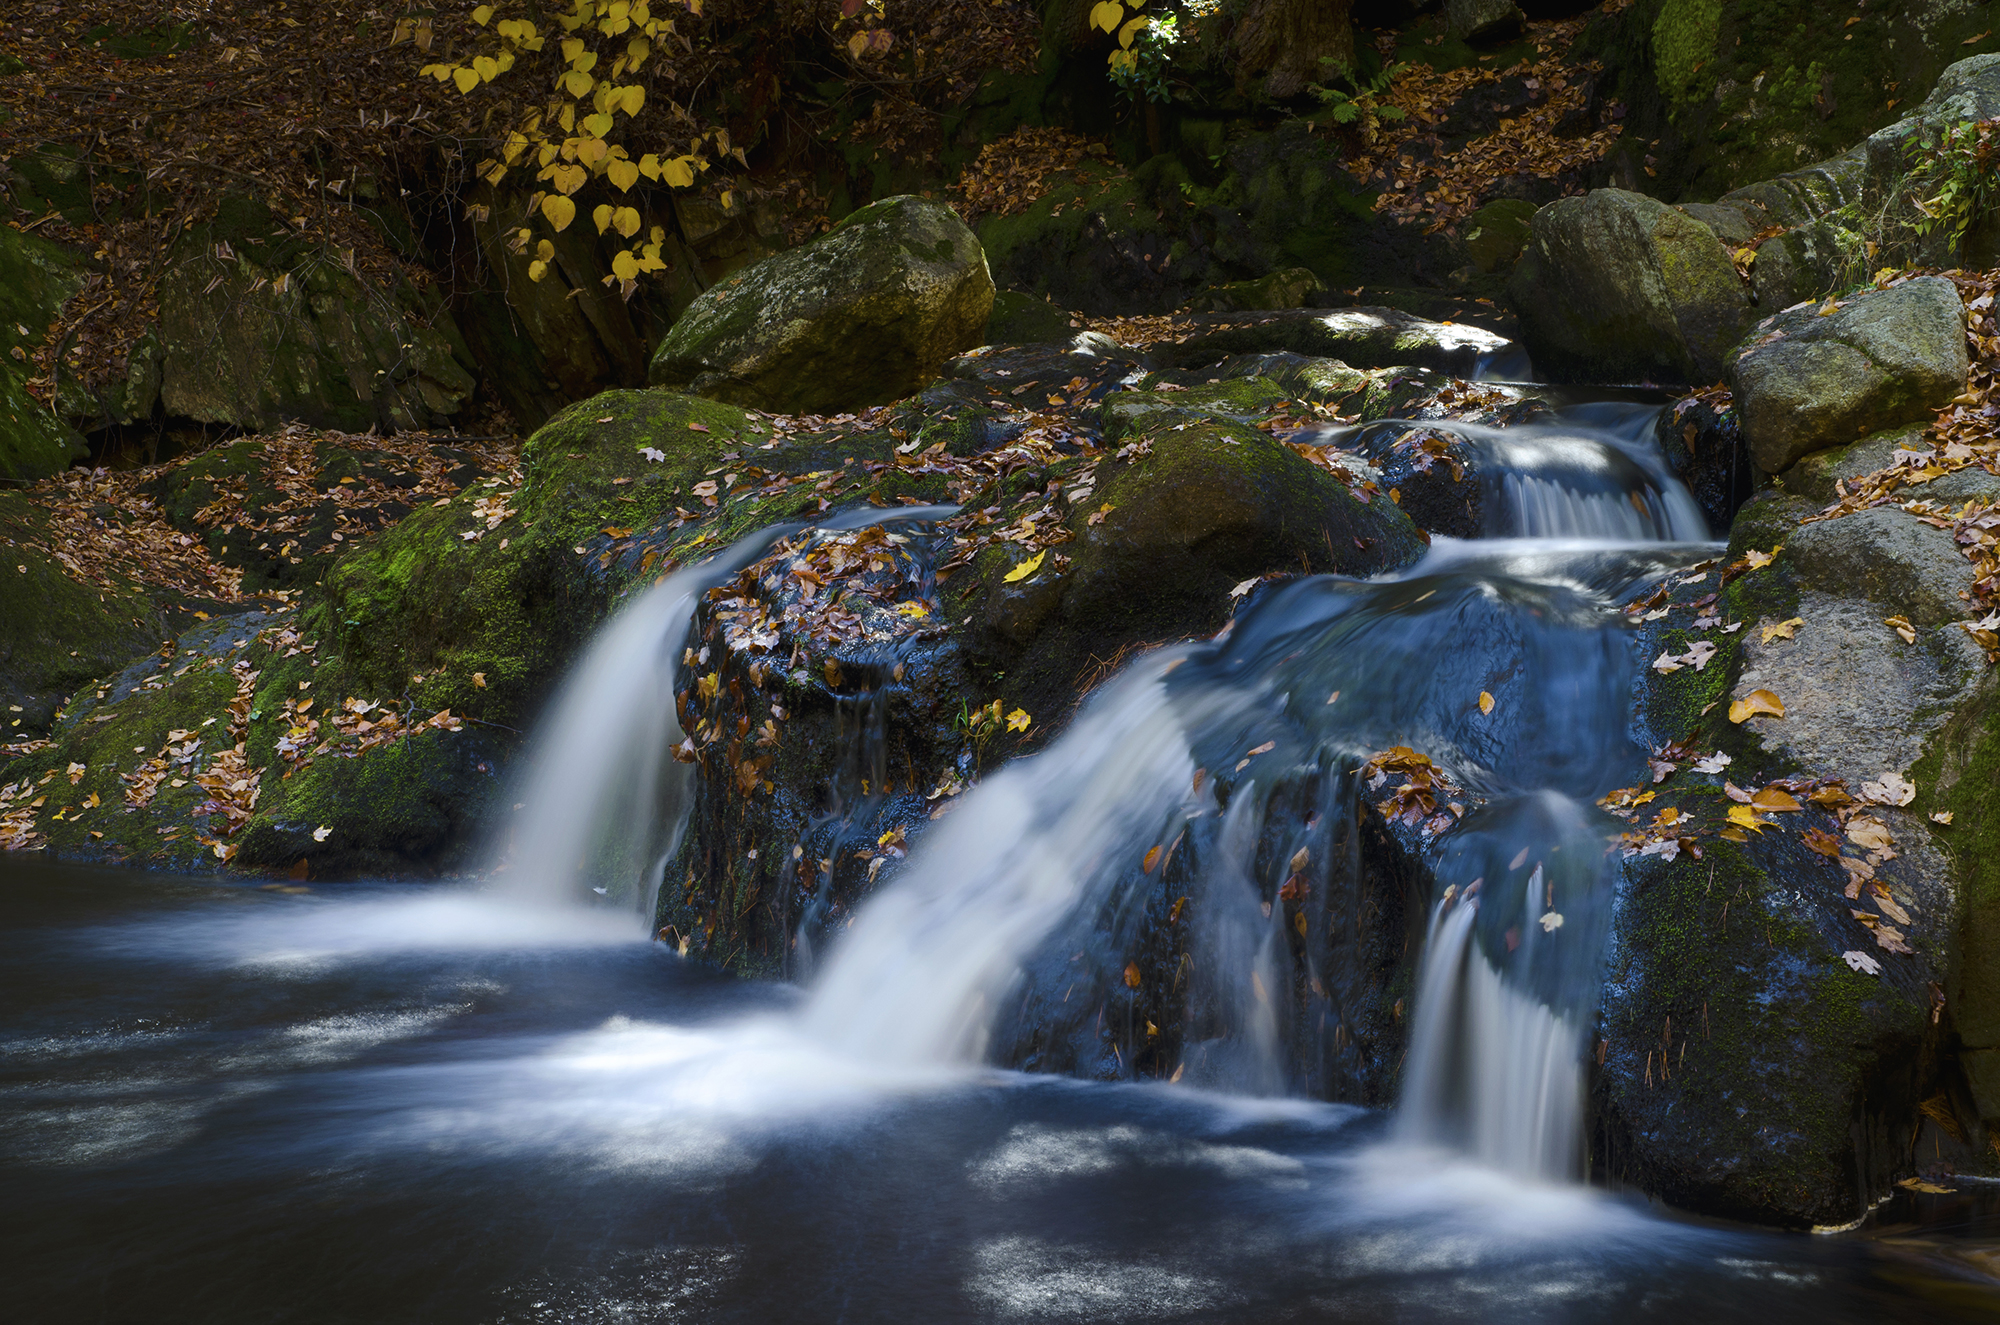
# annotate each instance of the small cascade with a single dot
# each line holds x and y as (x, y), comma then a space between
(1593, 474)
(602, 804)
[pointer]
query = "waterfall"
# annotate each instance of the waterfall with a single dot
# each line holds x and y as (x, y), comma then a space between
(601, 804)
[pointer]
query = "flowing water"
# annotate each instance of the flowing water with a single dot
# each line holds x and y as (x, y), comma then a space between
(382, 1103)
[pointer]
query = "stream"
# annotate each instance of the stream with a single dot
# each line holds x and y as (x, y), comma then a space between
(228, 1101)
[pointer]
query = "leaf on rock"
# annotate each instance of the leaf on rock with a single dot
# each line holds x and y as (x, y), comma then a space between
(1744, 816)
(1901, 625)
(1755, 703)
(1941, 817)
(1132, 976)
(1026, 568)
(321, 833)
(1869, 833)
(1714, 763)
(1485, 702)
(1862, 962)
(1818, 839)
(1775, 799)
(1891, 789)
(1018, 720)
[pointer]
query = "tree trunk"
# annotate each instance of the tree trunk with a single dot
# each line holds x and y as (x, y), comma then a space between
(1291, 43)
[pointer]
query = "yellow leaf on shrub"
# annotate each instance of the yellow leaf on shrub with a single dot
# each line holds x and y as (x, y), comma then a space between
(482, 14)
(559, 210)
(623, 174)
(602, 216)
(597, 125)
(626, 221)
(577, 83)
(486, 67)
(537, 269)
(678, 172)
(625, 267)
(1106, 15)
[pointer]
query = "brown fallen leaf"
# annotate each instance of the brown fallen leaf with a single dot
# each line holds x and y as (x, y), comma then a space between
(1921, 1185)
(1783, 630)
(1152, 859)
(1818, 839)
(1869, 833)
(1774, 799)
(1757, 702)
(1902, 627)
(1485, 702)
(1132, 976)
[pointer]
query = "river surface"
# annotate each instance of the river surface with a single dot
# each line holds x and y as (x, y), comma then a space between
(391, 1103)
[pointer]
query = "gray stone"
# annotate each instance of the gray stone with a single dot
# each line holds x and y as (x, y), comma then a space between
(1884, 357)
(1887, 555)
(1858, 701)
(1292, 287)
(1615, 286)
(1815, 476)
(863, 315)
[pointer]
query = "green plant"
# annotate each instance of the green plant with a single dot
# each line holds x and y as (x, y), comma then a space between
(1960, 163)
(1145, 48)
(1359, 102)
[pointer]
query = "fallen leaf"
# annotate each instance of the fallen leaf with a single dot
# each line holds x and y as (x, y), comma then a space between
(1888, 905)
(1783, 630)
(1132, 976)
(1918, 1184)
(1152, 859)
(1902, 627)
(1862, 962)
(1818, 839)
(1714, 763)
(479, 680)
(1744, 816)
(1869, 833)
(1018, 720)
(1244, 587)
(1025, 569)
(1890, 790)
(1774, 799)
(1485, 702)
(1551, 922)
(1941, 817)
(1755, 703)
(1265, 748)
(321, 833)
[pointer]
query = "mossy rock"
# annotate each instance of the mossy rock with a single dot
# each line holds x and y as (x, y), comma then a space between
(1497, 232)
(56, 632)
(1293, 287)
(258, 326)
(863, 315)
(37, 278)
(1023, 319)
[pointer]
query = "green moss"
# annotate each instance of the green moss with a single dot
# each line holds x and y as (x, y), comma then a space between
(1684, 47)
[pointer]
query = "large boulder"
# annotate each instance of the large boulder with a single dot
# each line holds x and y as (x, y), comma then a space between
(863, 315)
(1780, 1010)
(1617, 287)
(1482, 20)
(259, 326)
(1361, 337)
(37, 278)
(1813, 377)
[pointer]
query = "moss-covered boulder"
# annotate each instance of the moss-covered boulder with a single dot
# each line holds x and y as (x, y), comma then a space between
(1023, 319)
(37, 278)
(1359, 337)
(1813, 378)
(259, 326)
(58, 632)
(863, 315)
(1617, 287)
(1293, 287)
(1778, 1027)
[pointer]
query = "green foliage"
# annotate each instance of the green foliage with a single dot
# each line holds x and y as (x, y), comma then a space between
(1959, 162)
(1683, 46)
(1357, 103)
(1144, 73)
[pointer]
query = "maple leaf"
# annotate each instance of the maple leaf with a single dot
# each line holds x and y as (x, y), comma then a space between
(1018, 720)
(1782, 630)
(1891, 789)
(1025, 569)
(1862, 962)
(1714, 763)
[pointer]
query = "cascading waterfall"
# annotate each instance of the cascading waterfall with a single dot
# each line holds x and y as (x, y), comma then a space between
(1225, 778)
(1052, 870)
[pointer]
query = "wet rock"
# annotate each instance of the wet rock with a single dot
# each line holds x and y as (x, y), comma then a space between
(863, 315)
(1497, 232)
(1614, 286)
(1701, 438)
(1358, 337)
(1883, 357)
(1774, 1016)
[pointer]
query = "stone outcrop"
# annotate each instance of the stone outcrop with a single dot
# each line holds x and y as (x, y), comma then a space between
(1810, 378)
(863, 315)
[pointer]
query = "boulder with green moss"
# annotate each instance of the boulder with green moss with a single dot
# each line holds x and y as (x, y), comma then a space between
(259, 326)
(1811, 378)
(1617, 287)
(1359, 337)
(863, 315)
(1783, 1012)
(37, 278)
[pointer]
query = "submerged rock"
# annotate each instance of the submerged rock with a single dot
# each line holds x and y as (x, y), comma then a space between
(863, 315)
(1811, 378)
